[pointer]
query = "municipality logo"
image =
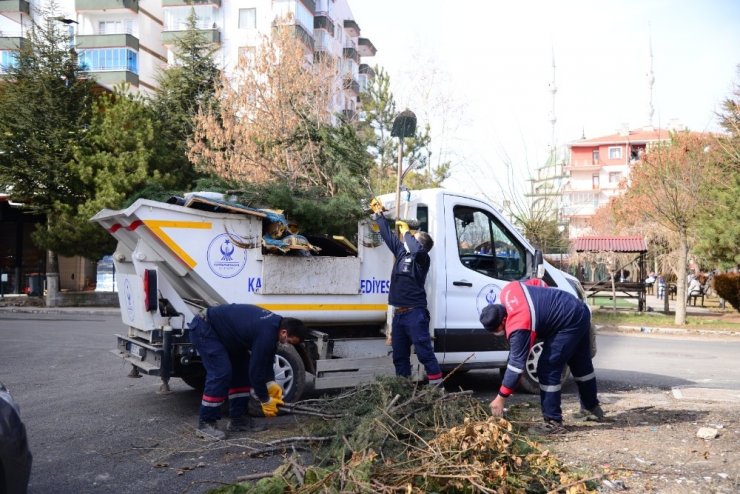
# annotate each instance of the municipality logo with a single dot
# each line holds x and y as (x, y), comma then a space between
(489, 294)
(223, 258)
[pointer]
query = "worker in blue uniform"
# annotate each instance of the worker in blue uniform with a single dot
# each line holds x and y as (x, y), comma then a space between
(530, 311)
(237, 344)
(408, 297)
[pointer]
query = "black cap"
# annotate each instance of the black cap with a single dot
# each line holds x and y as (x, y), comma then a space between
(492, 315)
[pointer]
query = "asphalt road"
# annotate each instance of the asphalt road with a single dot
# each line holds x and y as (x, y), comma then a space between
(93, 429)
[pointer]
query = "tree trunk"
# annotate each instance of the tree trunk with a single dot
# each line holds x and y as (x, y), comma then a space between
(683, 257)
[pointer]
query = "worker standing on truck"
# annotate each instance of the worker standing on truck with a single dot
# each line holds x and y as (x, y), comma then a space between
(407, 296)
(237, 344)
(529, 311)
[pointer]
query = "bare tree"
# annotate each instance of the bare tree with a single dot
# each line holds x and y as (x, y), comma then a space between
(269, 112)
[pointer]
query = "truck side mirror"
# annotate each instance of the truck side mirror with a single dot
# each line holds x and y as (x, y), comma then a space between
(539, 265)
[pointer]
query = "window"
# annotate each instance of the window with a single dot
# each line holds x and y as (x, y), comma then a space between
(615, 177)
(594, 182)
(176, 18)
(485, 247)
(109, 59)
(615, 153)
(8, 60)
(116, 27)
(595, 157)
(247, 18)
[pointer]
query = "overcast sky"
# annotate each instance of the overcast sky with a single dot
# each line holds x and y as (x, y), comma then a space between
(492, 62)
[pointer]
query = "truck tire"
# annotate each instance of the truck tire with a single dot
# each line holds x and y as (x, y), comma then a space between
(290, 373)
(194, 376)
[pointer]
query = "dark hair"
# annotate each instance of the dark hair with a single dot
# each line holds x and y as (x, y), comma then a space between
(294, 327)
(425, 240)
(491, 316)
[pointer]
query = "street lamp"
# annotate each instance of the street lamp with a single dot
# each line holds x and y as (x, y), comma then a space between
(404, 125)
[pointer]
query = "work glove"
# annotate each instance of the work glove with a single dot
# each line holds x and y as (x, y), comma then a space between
(376, 206)
(270, 407)
(402, 226)
(275, 390)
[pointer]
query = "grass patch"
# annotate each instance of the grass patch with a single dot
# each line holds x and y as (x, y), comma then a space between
(608, 303)
(711, 321)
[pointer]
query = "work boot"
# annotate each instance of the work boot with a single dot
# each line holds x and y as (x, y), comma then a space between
(548, 427)
(241, 424)
(209, 431)
(595, 414)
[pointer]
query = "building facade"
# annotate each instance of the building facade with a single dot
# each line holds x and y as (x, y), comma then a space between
(596, 169)
(132, 41)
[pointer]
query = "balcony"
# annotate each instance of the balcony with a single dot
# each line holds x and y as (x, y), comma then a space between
(351, 84)
(324, 22)
(351, 27)
(211, 35)
(112, 78)
(15, 6)
(87, 41)
(350, 51)
(14, 42)
(179, 3)
(96, 5)
(366, 48)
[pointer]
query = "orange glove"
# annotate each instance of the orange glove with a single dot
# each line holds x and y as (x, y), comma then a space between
(270, 408)
(274, 390)
(377, 206)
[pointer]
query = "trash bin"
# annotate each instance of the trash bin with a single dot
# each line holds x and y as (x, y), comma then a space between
(35, 284)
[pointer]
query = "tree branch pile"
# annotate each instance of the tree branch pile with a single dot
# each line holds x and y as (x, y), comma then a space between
(393, 436)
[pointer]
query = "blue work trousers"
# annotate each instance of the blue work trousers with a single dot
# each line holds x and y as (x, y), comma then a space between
(412, 328)
(227, 372)
(569, 346)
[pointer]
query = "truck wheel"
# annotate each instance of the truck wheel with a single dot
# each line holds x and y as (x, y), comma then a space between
(290, 372)
(195, 377)
(529, 382)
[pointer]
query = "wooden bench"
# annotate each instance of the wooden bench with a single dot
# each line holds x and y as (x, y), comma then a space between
(694, 296)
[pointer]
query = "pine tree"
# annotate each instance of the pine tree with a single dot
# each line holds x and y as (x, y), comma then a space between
(185, 88)
(45, 106)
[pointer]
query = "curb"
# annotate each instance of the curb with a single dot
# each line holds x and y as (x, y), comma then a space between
(669, 331)
(61, 310)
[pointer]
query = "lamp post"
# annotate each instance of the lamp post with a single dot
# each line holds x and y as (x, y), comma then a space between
(404, 125)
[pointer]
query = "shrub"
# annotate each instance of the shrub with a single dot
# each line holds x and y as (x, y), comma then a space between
(727, 286)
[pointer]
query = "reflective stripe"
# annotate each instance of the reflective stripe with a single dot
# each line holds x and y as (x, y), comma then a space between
(212, 404)
(587, 377)
(240, 395)
(550, 388)
(515, 370)
(532, 314)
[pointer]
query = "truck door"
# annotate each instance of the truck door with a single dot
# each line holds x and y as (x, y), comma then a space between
(481, 255)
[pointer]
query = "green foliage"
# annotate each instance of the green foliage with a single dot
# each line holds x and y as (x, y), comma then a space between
(718, 233)
(45, 105)
(727, 286)
(313, 212)
(185, 88)
(110, 162)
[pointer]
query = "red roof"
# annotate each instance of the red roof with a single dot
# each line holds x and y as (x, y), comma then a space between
(640, 136)
(610, 244)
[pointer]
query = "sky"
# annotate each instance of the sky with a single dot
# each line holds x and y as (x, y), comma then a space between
(480, 72)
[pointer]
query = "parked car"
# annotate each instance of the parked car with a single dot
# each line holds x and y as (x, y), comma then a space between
(15, 457)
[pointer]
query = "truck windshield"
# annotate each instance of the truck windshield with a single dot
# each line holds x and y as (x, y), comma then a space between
(486, 246)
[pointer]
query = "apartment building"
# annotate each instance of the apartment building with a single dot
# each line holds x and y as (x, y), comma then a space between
(596, 167)
(131, 41)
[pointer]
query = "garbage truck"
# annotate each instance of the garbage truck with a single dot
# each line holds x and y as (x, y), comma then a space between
(174, 259)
